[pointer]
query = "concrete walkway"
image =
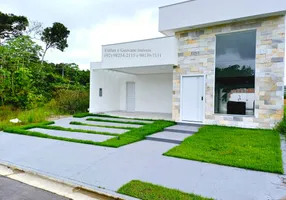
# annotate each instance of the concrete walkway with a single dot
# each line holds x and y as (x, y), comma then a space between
(109, 168)
(174, 134)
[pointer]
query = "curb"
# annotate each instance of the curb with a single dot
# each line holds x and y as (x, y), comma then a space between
(70, 190)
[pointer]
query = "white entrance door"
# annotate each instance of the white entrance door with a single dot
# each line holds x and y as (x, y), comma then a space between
(192, 98)
(130, 96)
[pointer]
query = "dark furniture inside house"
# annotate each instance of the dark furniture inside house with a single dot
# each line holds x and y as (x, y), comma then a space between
(237, 108)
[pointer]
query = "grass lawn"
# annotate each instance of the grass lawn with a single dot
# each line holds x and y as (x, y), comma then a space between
(35, 115)
(255, 149)
(148, 191)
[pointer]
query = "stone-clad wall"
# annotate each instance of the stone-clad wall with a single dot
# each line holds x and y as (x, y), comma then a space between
(197, 56)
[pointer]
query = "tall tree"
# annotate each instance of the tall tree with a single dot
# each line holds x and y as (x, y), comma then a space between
(35, 29)
(12, 25)
(55, 37)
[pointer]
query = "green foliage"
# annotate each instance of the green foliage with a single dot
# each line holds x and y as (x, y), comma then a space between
(281, 127)
(255, 149)
(55, 37)
(12, 25)
(72, 101)
(148, 191)
(26, 84)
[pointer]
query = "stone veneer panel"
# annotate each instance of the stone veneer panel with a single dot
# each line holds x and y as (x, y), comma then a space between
(197, 56)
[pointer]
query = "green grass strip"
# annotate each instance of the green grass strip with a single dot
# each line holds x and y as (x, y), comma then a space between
(42, 135)
(255, 149)
(148, 191)
(36, 125)
(81, 115)
(103, 126)
(115, 121)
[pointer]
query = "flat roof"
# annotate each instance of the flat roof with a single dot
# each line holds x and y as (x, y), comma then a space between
(137, 41)
(176, 3)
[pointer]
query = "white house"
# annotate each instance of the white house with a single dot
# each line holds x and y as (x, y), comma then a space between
(221, 62)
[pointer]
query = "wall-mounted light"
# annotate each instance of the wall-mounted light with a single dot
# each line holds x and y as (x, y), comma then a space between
(100, 92)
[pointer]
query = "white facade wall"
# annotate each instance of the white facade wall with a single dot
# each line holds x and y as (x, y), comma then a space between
(108, 81)
(152, 52)
(153, 92)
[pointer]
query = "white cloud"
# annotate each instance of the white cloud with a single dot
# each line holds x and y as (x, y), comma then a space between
(85, 44)
(92, 23)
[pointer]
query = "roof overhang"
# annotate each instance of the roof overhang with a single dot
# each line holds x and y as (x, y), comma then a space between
(202, 13)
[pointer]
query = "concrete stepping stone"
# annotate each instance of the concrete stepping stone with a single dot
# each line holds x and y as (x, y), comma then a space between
(108, 124)
(92, 128)
(188, 129)
(169, 137)
(73, 135)
(120, 119)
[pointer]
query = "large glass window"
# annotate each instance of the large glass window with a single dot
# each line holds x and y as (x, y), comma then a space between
(235, 73)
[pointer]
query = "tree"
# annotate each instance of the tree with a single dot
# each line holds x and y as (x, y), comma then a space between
(24, 50)
(4, 84)
(55, 37)
(12, 25)
(35, 29)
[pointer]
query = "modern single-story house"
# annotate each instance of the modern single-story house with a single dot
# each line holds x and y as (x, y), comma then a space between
(221, 62)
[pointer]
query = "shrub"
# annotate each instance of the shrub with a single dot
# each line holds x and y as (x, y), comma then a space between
(281, 127)
(71, 101)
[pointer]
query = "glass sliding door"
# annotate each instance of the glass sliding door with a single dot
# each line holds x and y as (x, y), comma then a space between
(235, 73)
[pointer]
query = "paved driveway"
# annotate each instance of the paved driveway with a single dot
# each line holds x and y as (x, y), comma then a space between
(14, 190)
(110, 168)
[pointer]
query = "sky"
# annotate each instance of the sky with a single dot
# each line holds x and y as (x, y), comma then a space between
(92, 23)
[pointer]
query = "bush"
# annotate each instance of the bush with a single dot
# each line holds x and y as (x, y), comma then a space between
(71, 101)
(281, 127)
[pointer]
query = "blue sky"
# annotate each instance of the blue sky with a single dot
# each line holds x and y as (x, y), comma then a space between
(92, 23)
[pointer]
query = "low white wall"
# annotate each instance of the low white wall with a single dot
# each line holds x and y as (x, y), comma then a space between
(153, 92)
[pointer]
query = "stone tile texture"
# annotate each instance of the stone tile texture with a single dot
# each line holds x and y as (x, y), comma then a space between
(197, 56)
